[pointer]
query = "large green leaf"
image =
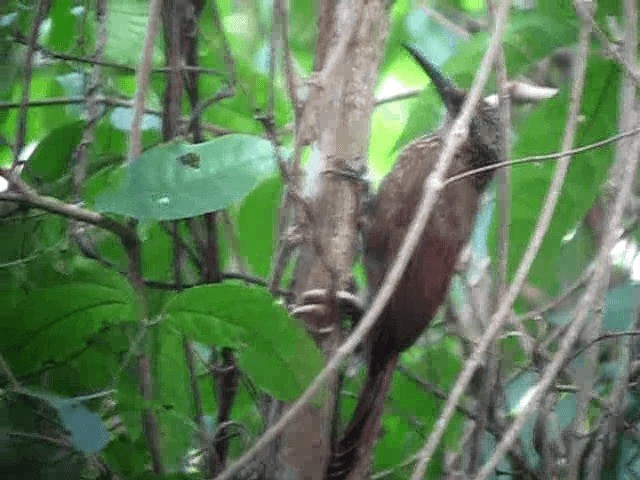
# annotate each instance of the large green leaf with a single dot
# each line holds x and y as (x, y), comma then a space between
(53, 322)
(272, 347)
(179, 180)
(257, 222)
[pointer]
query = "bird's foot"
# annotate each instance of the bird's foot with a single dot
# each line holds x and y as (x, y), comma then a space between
(314, 306)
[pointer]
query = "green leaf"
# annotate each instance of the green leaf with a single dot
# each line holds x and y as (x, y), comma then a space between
(62, 31)
(172, 394)
(621, 305)
(127, 24)
(52, 322)
(52, 157)
(257, 223)
(531, 36)
(127, 457)
(162, 185)
(541, 133)
(272, 347)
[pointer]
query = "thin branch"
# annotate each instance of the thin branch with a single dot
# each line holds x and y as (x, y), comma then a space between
(504, 174)
(580, 282)
(492, 426)
(283, 247)
(281, 9)
(228, 56)
(6, 369)
(39, 437)
(115, 65)
(145, 383)
(234, 244)
(400, 96)
(545, 157)
(445, 22)
(629, 66)
(27, 196)
(21, 131)
(222, 94)
(600, 338)
(142, 80)
(92, 105)
(618, 398)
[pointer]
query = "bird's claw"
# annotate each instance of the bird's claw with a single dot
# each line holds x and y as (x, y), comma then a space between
(314, 306)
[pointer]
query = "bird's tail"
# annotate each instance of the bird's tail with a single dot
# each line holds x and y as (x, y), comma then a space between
(362, 430)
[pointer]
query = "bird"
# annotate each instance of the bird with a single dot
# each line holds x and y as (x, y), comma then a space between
(425, 281)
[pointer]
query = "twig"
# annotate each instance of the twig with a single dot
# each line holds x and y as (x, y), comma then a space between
(600, 338)
(27, 196)
(115, 65)
(580, 282)
(545, 157)
(6, 369)
(228, 57)
(93, 111)
(445, 22)
(142, 80)
(492, 426)
(280, 8)
(225, 92)
(628, 66)
(618, 399)
(504, 174)
(21, 131)
(145, 384)
(283, 248)
(234, 244)
(486, 391)
(39, 437)
(400, 96)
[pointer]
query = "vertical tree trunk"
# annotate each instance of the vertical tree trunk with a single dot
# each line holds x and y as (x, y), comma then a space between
(336, 123)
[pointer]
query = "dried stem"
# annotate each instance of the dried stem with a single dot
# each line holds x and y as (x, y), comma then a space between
(143, 75)
(42, 9)
(92, 104)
